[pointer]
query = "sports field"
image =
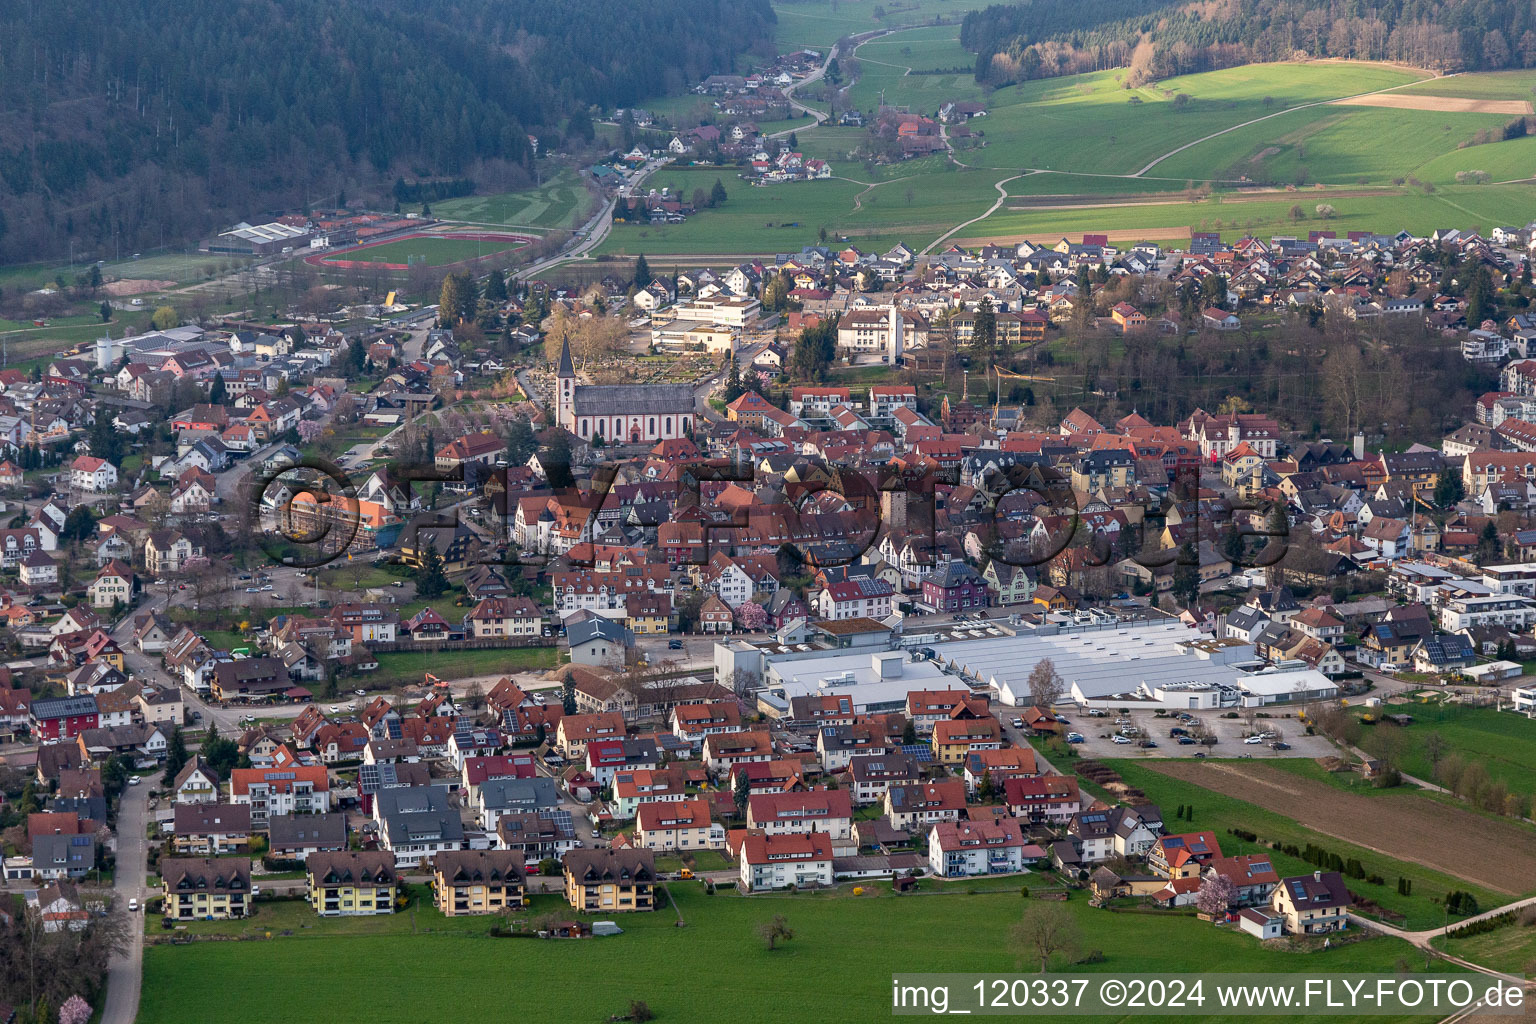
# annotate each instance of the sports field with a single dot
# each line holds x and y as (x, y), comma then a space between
(837, 967)
(436, 250)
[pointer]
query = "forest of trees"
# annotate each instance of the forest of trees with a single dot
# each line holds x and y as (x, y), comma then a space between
(1018, 42)
(146, 122)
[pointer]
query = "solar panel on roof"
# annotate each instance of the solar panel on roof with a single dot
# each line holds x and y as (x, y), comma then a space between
(393, 724)
(918, 752)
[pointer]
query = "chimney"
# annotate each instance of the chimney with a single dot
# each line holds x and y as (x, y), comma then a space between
(1317, 876)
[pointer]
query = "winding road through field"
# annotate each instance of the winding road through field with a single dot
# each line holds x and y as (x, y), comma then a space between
(1002, 197)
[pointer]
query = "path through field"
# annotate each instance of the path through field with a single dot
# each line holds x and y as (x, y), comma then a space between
(1443, 104)
(1497, 855)
(1266, 117)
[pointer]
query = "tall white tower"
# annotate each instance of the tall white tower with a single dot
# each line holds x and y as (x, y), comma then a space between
(895, 325)
(565, 389)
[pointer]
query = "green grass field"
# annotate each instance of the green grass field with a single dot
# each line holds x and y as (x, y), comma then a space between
(912, 202)
(562, 202)
(436, 252)
(1511, 949)
(1514, 160)
(1089, 135)
(820, 23)
(1503, 743)
(1218, 812)
(885, 67)
(1337, 145)
(411, 666)
(1385, 210)
(837, 967)
(1485, 85)
(1088, 122)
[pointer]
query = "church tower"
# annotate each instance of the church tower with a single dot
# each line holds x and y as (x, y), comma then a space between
(565, 389)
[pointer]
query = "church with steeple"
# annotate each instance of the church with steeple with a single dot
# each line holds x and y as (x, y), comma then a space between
(621, 413)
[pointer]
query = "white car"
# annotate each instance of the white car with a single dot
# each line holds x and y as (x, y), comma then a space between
(133, 780)
(133, 906)
(1254, 739)
(1122, 739)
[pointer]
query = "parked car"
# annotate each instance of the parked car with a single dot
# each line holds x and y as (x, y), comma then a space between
(133, 905)
(397, 583)
(1122, 739)
(1075, 738)
(672, 645)
(1254, 739)
(1017, 723)
(1147, 743)
(133, 780)
(1199, 754)
(1279, 745)
(1186, 741)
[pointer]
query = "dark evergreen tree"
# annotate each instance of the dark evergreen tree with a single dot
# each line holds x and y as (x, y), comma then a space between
(431, 581)
(496, 286)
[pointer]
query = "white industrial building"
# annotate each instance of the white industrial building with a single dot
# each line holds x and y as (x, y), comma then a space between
(1159, 663)
(1149, 664)
(877, 681)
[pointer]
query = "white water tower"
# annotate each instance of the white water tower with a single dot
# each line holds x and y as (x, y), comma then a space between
(104, 351)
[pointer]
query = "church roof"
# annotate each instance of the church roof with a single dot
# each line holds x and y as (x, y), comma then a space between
(634, 399)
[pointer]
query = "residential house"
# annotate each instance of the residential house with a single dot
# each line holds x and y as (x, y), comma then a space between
(610, 880)
(674, 825)
(1312, 904)
(962, 849)
(205, 888)
(468, 882)
(351, 883)
(788, 859)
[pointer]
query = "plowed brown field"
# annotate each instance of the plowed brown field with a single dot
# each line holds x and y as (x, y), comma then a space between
(1498, 855)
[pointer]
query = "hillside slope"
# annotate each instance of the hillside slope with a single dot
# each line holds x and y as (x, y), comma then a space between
(141, 122)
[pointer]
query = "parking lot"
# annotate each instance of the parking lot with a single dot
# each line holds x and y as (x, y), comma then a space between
(1135, 726)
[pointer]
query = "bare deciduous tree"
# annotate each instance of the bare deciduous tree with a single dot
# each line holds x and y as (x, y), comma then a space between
(1045, 930)
(774, 931)
(1045, 684)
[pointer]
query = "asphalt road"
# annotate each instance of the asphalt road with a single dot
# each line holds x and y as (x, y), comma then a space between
(125, 972)
(591, 235)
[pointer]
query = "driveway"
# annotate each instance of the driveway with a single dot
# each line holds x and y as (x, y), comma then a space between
(126, 970)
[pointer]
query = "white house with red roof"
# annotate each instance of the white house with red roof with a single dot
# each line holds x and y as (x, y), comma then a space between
(779, 861)
(961, 849)
(88, 473)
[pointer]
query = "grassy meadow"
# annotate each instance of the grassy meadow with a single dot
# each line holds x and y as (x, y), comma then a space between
(837, 966)
(560, 202)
